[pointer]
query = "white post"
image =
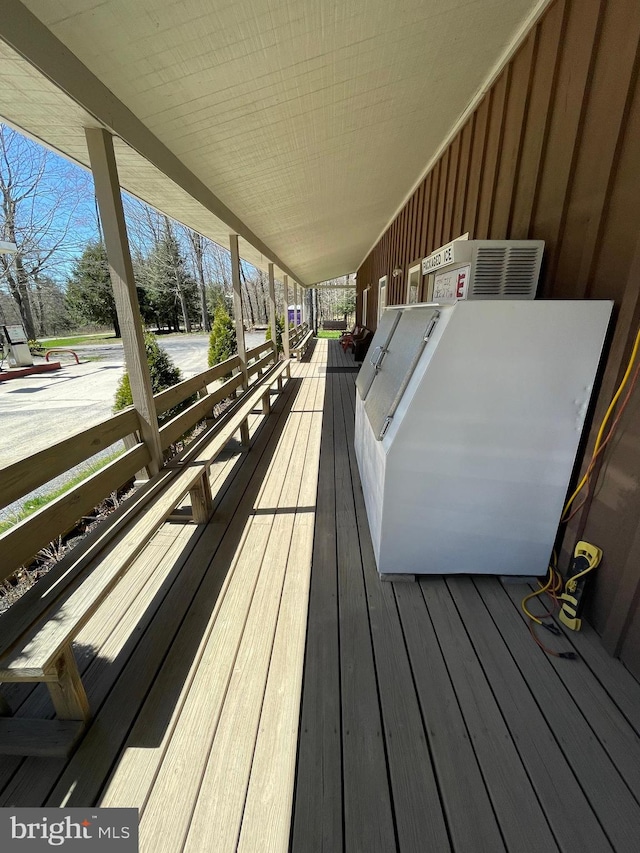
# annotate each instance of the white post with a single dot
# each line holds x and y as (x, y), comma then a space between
(295, 304)
(237, 310)
(237, 306)
(285, 336)
(107, 189)
(272, 308)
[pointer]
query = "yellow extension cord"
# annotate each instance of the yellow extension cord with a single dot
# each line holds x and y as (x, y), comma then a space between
(596, 447)
(583, 481)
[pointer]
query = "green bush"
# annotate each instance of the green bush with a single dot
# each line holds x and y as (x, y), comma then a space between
(279, 331)
(164, 374)
(222, 340)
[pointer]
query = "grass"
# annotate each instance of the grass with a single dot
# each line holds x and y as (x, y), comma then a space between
(34, 504)
(79, 339)
(328, 334)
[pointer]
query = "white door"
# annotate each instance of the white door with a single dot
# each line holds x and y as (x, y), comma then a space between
(414, 284)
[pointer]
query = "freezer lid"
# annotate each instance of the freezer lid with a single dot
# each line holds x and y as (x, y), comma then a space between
(396, 367)
(379, 344)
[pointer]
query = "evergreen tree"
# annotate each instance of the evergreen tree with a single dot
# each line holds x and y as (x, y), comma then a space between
(89, 293)
(217, 298)
(164, 374)
(171, 291)
(279, 331)
(222, 340)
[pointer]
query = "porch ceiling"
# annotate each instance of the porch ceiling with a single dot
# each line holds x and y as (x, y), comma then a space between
(310, 120)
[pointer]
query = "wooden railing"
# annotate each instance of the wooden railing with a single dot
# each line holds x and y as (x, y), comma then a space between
(259, 358)
(20, 543)
(296, 334)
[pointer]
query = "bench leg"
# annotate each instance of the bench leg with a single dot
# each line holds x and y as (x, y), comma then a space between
(201, 500)
(279, 384)
(67, 693)
(266, 402)
(288, 370)
(244, 434)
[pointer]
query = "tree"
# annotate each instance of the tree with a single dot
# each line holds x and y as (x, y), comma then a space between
(279, 331)
(222, 340)
(346, 304)
(89, 291)
(217, 297)
(170, 288)
(40, 195)
(197, 244)
(163, 372)
(50, 304)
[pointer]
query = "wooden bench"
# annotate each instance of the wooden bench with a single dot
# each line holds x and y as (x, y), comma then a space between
(300, 340)
(38, 630)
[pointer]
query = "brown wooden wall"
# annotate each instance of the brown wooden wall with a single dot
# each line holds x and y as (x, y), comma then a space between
(553, 152)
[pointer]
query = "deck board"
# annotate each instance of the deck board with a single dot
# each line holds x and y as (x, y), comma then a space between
(546, 765)
(368, 816)
(514, 762)
(256, 687)
(318, 806)
(418, 809)
(613, 802)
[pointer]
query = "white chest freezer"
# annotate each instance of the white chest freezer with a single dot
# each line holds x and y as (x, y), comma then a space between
(468, 420)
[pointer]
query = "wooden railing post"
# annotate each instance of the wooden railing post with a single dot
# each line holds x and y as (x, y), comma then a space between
(239, 318)
(296, 319)
(272, 310)
(285, 336)
(107, 188)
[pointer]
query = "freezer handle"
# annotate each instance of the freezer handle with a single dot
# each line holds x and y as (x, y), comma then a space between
(376, 359)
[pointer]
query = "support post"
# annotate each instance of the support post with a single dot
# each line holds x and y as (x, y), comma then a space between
(201, 500)
(285, 336)
(295, 304)
(67, 692)
(314, 309)
(107, 188)
(237, 307)
(272, 309)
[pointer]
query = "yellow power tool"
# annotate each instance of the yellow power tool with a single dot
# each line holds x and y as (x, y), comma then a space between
(585, 558)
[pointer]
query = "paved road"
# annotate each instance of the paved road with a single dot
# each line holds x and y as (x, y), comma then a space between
(37, 410)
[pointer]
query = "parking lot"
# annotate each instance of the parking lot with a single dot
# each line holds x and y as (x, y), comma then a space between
(37, 410)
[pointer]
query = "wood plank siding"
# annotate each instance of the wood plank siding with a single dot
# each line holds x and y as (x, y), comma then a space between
(552, 152)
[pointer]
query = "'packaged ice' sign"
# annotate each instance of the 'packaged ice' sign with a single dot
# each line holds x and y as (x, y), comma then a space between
(438, 259)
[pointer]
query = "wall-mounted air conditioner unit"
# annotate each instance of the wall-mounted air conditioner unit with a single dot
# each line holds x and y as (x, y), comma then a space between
(484, 269)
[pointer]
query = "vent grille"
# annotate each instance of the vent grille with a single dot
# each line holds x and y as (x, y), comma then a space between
(489, 271)
(506, 271)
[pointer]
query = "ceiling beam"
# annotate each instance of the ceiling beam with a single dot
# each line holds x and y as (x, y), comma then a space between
(29, 37)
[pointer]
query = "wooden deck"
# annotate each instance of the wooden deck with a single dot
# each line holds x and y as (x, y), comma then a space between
(417, 717)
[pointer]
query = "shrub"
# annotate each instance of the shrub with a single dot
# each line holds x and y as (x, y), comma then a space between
(164, 374)
(222, 340)
(279, 331)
